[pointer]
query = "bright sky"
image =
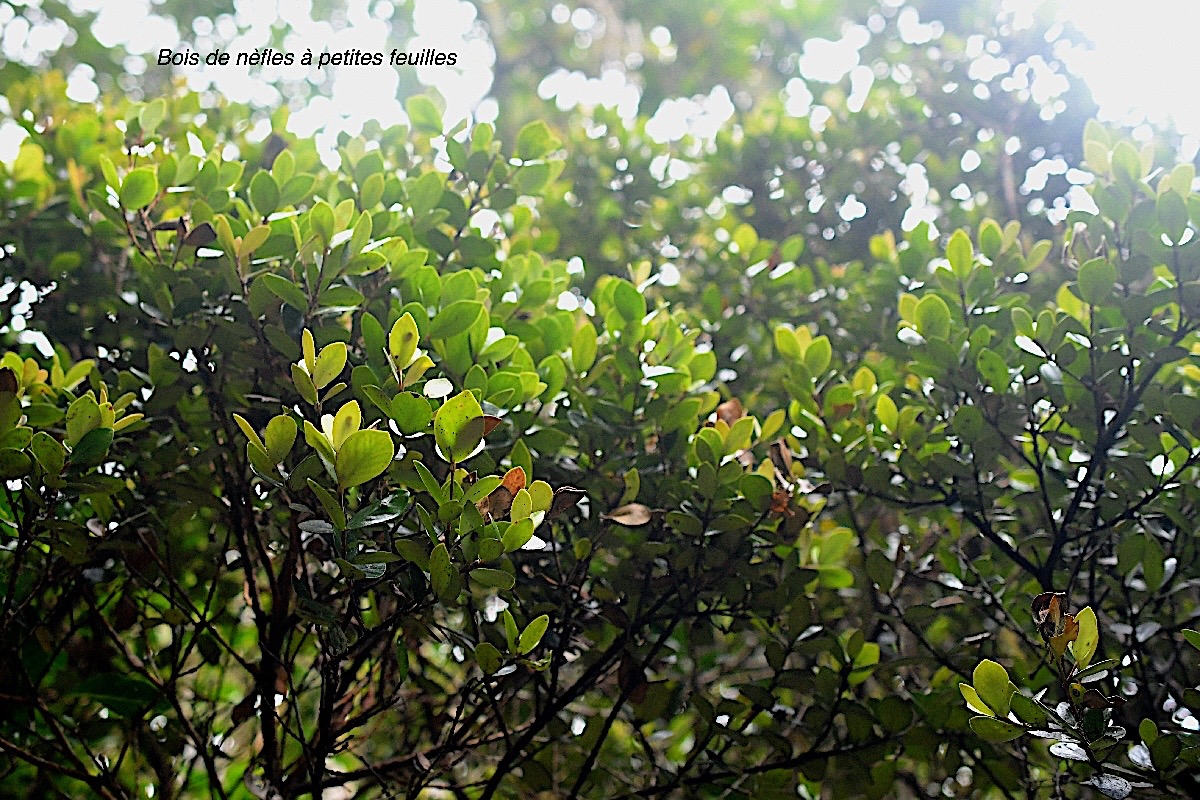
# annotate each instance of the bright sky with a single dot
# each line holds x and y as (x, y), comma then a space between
(1141, 69)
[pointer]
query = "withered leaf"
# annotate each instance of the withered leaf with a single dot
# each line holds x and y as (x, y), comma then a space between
(632, 679)
(1048, 609)
(514, 480)
(201, 235)
(565, 498)
(179, 225)
(1070, 632)
(631, 515)
(730, 411)
(781, 457)
(8, 380)
(496, 505)
(243, 710)
(490, 423)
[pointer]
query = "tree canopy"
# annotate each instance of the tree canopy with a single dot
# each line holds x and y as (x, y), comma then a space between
(818, 448)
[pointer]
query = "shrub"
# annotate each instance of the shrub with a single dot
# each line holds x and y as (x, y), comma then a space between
(385, 501)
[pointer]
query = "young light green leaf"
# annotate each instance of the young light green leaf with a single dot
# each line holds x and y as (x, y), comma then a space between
(994, 688)
(458, 427)
(329, 364)
(402, 341)
(138, 189)
(1084, 647)
(973, 701)
(960, 254)
(279, 436)
(933, 317)
(532, 635)
(363, 456)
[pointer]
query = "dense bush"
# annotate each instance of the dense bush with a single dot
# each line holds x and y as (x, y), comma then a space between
(349, 478)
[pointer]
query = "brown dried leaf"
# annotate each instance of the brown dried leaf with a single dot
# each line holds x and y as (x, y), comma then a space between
(201, 235)
(1048, 612)
(781, 457)
(8, 380)
(565, 498)
(496, 505)
(243, 710)
(731, 411)
(490, 423)
(1070, 632)
(631, 515)
(1093, 698)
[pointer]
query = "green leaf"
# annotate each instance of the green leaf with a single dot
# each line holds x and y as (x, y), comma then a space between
(423, 114)
(82, 417)
(52, 456)
(932, 316)
(151, 115)
(1192, 637)
(285, 290)
(493, 578)
(402, 341)
(14, 463)
(818, 355)
(411, 412)
(510, 629)
(304, 385)
(535, 141)
(993, 369)
(1172, 215)
(441, 573)
(320, 219)
(1028, 710)
(77, 373)
(994, 688)
(517, 535)
(124, 695)
(786, 343)
(1164, 751)
(995, 730)
(330, 364)
(248, 431)
(583, 348)
(455, 318)
(532, 635)
(328, 502)
(488, 658)
(363, 456)
(1084, 647)
(458, 427)
(138, 189)
(1096, 280)
(255, 238)
(885, 410)
(630, 303)
(960, 255)
(973, 700)
(264, 193)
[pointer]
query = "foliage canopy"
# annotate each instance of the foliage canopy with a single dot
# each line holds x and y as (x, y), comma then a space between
(417, 474)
